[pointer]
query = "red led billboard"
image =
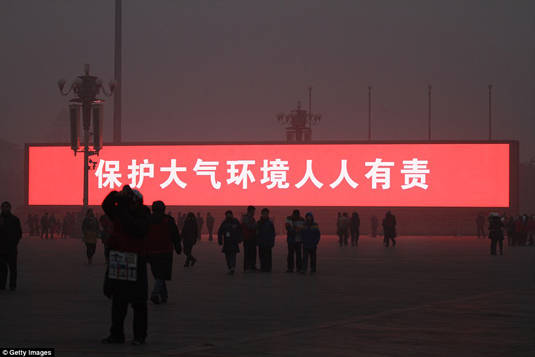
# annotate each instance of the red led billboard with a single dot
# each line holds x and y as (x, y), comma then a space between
(389, 174)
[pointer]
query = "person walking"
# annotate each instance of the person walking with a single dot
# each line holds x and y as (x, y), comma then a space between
(495, 233)
(189, 238)
(127, 247)
(210, 226)
(162, 239)
(294, 225)
(389, 229)
(10, 235)
(229, 236)
(355, 229)
(311, 237)
(344, 225)
(248, 228)
(90, 233)
(266, 241)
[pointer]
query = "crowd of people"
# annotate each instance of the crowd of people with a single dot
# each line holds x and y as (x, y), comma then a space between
(49, 225)
(136, 237)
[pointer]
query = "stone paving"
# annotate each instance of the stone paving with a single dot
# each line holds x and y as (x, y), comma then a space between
(428, 296)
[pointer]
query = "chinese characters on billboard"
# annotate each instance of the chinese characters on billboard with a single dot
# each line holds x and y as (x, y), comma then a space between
(411, 175)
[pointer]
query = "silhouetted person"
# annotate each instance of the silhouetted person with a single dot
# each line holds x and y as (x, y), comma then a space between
(521, 230)
(130, 226)
(229, 236)
(248, 228)
(189, 238)
(510, 229)
(355, 229)
(294, 225)
(90, 233)
(389, 229)
(266, 240)
(10, 235)
(200, 222)
(343, 229)
(311, 238)
(374, 226)
(162, 239)
(495, 233)
(52, 225)
(210, 226)
(44, 226)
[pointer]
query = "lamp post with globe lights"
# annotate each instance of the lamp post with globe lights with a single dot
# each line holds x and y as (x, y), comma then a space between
(86, 88)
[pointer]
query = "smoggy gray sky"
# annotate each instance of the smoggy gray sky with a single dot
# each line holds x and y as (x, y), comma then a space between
(222, 70)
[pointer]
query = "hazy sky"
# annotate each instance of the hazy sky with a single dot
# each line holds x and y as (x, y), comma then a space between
(222, 70)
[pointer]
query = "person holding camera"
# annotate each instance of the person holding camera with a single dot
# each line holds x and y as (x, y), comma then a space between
(126, 274)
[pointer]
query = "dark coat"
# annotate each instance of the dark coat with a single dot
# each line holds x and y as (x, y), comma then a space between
(229, 236)
(311, 235)
(265, 233)
(495, 228)
(355, 223)
(389, 226)
(162, 239)
(130, 227)
(10, 233)
(189, 233)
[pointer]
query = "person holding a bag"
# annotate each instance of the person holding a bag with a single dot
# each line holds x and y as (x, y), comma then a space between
(126, 276)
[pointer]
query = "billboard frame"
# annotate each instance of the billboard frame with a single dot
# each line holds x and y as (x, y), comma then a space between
(514, 160)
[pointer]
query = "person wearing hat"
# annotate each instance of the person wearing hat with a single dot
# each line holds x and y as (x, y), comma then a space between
(495, 233)
(311, 237)
(127, 243)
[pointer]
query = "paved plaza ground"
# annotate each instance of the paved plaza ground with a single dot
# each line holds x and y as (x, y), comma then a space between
(428, 296)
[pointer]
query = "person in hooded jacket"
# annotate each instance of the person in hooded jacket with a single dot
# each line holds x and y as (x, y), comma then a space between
(10, 235)
(229, 236)
(162, 239)
(189, 238)
(355, 229)
(130, 227)
(266, 240)
(311, 237)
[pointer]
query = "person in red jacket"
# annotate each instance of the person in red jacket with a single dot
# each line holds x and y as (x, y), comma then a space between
(162, 239)
(126, 273)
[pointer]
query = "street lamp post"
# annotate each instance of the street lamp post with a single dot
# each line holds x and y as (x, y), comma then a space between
(86, 89)
(429, 88)
(490, 112)
(369, 112)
